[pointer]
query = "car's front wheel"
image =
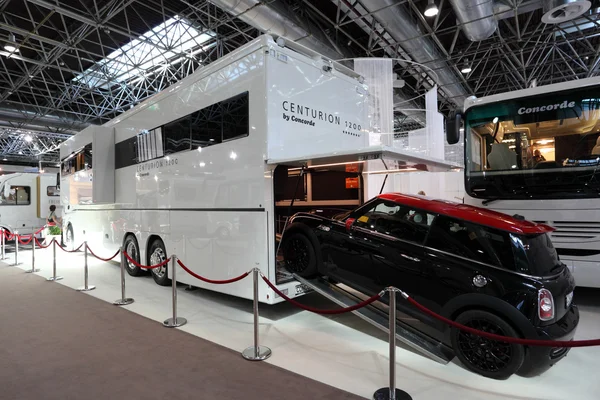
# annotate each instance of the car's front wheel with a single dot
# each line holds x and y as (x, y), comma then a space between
(490, 358)
(299, 254)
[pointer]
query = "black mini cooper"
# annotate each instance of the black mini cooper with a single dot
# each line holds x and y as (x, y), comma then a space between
(484, 269)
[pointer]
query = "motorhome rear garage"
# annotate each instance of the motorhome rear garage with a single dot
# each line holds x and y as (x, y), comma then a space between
(407, 187)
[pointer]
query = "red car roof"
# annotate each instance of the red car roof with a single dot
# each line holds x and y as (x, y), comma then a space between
(468, 213)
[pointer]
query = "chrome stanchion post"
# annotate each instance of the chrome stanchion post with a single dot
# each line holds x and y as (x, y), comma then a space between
(175, 321)
(123, 301)
(3, 244)
(86, 287)
(54, 277)
(256, 352)
(391, 393)
(33, 269)
(16, 236)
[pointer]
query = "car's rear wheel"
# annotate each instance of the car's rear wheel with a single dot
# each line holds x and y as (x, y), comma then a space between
(299, 255)
(486, 357)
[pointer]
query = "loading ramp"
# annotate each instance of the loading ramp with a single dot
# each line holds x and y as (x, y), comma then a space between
(406, 334)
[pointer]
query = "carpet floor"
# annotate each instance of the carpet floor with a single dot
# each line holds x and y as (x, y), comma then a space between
(56, 343)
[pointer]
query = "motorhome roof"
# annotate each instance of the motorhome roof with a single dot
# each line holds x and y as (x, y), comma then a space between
(557, 87)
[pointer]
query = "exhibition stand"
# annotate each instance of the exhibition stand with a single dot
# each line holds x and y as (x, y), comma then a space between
(257, 352)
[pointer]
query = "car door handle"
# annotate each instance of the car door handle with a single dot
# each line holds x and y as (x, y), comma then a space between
(410, 258)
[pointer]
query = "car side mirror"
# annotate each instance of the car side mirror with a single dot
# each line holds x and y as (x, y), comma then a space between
(453, 127)
(349, 224)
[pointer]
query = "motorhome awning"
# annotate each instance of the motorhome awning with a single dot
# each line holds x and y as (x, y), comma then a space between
(394, 160)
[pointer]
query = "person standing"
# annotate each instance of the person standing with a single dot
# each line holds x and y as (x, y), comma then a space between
(55, 220)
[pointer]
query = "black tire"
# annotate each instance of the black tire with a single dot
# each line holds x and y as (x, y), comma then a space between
(156, 255)
(133, 250)
(486, 357)
(299, 254)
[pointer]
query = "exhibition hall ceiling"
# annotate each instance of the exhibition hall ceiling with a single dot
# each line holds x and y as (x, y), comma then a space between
(70, 63)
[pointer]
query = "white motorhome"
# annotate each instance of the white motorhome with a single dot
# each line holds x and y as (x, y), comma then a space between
(25, 200)
(205, 169)
(536, 153)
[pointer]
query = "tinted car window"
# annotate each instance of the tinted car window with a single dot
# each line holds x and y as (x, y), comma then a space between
(396, 220)
(472, 241)
(535, 254)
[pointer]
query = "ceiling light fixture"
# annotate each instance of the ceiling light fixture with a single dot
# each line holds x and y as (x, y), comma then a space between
(495, 120)
(466, 67)
(11, 44)
(28, 138)
(431, 10)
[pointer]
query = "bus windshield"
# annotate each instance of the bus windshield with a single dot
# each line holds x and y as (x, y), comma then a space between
(544, 146)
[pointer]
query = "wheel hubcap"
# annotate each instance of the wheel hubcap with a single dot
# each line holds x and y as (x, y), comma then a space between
(157, 257)
(132, 252)
(484, 354)
(297, 257)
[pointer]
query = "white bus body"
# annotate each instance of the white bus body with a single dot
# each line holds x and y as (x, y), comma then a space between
(214, 205)
(562, 187)
(25, 200)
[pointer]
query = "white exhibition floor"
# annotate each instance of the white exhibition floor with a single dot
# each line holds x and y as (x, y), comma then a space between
(343, 351)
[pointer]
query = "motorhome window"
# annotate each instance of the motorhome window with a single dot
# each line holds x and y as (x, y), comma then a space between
(17, 195)
(235, 117)
(52, 191)
(78, 161)
(177, 136)
(544, 146)
(207, 126)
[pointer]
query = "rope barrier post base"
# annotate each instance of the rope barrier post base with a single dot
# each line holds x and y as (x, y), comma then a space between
(86, 287)
(123, 301)
(54, 278)
(174, 321)
(256, 352)
(16, 250)
(33, 269)
(391, 393)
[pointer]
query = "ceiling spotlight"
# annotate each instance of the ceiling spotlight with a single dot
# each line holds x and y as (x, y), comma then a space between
(11, 44)
(466, 67)
(28, 138)
(431, 10)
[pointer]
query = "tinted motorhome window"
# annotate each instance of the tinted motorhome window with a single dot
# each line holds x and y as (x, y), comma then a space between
(177, 136)
(235, 117)
(207, 126)
(18, 195)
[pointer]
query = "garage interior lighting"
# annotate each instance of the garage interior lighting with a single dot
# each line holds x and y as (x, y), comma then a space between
(143, 56)
(327, 165)
(391, 171)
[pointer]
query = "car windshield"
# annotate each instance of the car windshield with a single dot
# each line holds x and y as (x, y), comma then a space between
(536, 253)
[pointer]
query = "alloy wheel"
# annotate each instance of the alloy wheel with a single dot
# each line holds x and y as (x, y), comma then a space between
(297, 258)
(485, 354)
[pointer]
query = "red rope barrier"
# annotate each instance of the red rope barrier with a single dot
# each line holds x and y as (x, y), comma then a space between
(8, 235)
(326, 312)
(39, 230)
(25, 243)
(506, 339)
(41, 245)
(103, 259)
(216, 282)
(71, 251)
(162, 264)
